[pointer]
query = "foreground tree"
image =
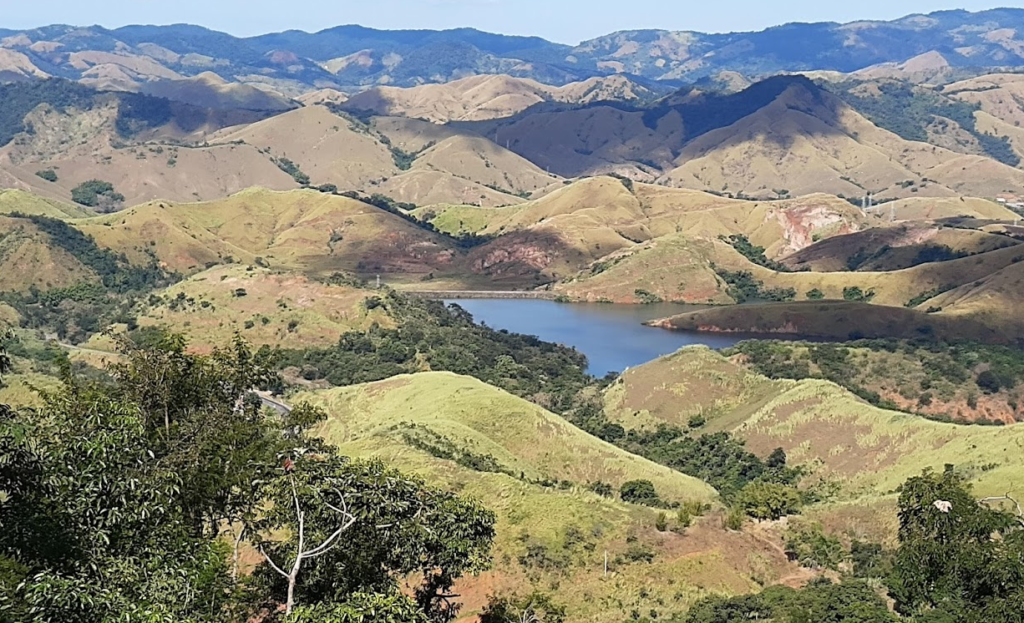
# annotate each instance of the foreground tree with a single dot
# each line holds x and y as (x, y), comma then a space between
(115, 496)
(958, 559)
(356, 527)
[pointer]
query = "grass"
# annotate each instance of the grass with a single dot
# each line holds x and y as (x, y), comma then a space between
(868, 452)
(567, 528)
(277, 308)
(13, 200)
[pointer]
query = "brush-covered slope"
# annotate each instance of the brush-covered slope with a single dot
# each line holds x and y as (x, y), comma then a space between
(843, 320)
(30, 257)
(88, 143)
(522, 437)
(807, 140)
(304, 230)
(569, 228)
(263, 306)
(867, 450)
(894, 248)
(532, 468)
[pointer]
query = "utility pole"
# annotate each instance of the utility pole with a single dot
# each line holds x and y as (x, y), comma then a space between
(606, 563)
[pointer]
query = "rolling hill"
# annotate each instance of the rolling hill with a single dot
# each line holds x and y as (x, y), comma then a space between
(867, 451)
(300, 230)
(533, 469)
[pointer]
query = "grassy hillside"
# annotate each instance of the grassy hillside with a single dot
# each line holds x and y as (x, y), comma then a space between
(263, 306)
(866, 450)
(30, 257)
(303, 230)
(12, 200)
(552, 535)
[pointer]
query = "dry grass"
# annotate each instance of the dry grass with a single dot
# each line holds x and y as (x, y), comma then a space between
(278, 309)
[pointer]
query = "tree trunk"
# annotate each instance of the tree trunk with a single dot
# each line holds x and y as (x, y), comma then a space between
(291, 591)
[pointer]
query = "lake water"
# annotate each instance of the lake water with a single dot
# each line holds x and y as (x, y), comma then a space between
(612, 337)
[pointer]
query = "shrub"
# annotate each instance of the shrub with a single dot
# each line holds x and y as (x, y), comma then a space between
(47, 174)
(815, 295)
(97, 194)
(640, 492)
(769, 500)
(811, 547)
(733, 520)
(854, 293)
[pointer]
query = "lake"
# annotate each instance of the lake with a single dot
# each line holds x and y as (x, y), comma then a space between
(612, 337)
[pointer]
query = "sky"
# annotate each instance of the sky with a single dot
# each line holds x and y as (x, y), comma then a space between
(564, 21)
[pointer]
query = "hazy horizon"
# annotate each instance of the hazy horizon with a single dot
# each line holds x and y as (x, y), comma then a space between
(570, 21)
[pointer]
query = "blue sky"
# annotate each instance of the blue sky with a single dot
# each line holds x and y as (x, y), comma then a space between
(567, 21)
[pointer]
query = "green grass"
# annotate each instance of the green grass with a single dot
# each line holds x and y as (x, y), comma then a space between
(568, 525)
(867, 450)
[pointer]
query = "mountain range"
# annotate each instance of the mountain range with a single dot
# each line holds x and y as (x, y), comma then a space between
(353, 57)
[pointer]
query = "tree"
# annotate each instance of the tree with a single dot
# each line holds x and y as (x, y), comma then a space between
(769, 500)
(47, 174)
(401, 526)
(97, 194)
(640, 492)
(955, 555)
(303, 552)
(114, 497)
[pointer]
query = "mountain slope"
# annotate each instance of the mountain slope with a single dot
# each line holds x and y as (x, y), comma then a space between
(352, 56)
(301, 230)
(867, 450)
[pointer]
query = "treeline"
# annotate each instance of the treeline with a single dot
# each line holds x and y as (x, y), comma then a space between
(432, 336)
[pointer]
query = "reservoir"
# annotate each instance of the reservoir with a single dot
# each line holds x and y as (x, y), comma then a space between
(612, 337)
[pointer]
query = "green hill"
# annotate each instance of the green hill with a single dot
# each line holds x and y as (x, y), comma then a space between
(532, 468)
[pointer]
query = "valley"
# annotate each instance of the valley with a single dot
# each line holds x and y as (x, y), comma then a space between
(662, 326)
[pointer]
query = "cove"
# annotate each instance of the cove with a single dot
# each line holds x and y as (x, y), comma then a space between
(612, 337)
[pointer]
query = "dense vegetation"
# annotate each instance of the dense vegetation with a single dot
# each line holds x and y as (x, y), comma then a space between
(908, 111)
(97, 194)
(754, 253)
(920, 372)
(720, 459)
(131, 500)
(430, 335)
(292, 169)
(958, 561)
(743, 287)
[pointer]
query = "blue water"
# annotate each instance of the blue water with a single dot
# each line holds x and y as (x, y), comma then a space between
(612, 337)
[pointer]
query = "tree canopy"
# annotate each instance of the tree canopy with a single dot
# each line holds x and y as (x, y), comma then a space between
(129, 500)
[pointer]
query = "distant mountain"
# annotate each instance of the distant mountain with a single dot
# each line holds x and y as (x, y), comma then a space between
(353, 57)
